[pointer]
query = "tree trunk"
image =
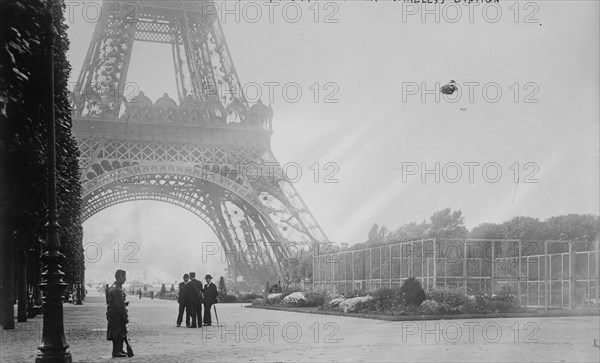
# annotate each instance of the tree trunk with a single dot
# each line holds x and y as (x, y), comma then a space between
(37, 295)
(22, 283)
(8, 295)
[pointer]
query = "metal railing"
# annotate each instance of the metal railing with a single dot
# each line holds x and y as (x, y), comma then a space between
(542, 274)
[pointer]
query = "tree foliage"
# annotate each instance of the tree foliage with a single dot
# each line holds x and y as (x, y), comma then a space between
(24, 115)
(297, 268)
(222, 287)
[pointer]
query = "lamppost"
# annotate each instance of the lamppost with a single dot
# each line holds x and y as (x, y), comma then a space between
(54, 344)
(79, 282)
(78, 287)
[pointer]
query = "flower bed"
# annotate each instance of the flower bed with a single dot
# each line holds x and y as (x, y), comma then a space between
(438, 302)
(356, 304)
(411, 300)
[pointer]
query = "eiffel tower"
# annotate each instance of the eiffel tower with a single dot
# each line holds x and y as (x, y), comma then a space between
(208, 152)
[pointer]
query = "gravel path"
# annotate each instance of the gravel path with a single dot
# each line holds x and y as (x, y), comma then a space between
(265, 335)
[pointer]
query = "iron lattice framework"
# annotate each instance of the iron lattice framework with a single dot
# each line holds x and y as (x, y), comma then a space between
(208, 153)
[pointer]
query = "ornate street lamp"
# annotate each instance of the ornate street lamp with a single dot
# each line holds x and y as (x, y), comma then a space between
(54, 344)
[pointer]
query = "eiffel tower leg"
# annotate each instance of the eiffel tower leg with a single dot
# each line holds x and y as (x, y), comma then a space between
(104, 73)
(185, 154)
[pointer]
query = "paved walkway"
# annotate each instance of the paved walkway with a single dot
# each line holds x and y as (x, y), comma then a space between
(264, 335)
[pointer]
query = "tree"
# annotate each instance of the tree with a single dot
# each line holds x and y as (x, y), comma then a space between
(297, 269)
(523, 228)
(373, 235)
(163, 290)
(410, 232)
(23, 148)
(487, 231)
(222, 287)
(447, 224)
(172, 288)
(572, 227)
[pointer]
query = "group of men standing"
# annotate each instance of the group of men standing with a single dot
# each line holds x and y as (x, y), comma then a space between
(192, 295)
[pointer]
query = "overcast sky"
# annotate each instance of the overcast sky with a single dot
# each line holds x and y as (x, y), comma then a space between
(376, 59)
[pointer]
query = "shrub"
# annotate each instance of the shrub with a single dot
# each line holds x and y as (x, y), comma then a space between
(456, 300)
(168, 296)
(248, 298)
(290, 291)
(412, 292)
(502, 303)
(227, 298)
(336, 302)
(355, 293)
(356, 304)
(388, 299)
(274, 299)
(296, 299)
(443, 307)
(258, 302)
(430, 306)
(315, 299)
(276, 288)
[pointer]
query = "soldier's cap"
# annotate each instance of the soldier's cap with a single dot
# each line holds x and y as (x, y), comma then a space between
(192, 274)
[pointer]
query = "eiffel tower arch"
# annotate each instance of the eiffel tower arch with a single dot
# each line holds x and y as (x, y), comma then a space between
(208, 152)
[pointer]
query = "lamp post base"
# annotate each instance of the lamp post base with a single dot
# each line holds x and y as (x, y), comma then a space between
(58, 357)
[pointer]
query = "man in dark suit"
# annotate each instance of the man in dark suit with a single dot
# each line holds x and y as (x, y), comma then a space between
(182, 300)
(210, 298)
(194, 291)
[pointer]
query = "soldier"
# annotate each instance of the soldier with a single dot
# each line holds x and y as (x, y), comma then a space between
(194, 298)
(116, 314)
(182, 300)
(210, 298)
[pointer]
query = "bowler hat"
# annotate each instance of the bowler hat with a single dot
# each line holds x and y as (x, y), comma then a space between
(208, 277)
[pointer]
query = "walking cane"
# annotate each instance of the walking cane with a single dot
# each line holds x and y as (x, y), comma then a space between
(129, 349)
(216, 316)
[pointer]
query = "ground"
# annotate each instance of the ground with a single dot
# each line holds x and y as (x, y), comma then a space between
(264, 335)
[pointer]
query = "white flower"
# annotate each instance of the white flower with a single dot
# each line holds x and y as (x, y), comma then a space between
(274, 296)
(336, 302)
(353, 304)
(294, 299)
